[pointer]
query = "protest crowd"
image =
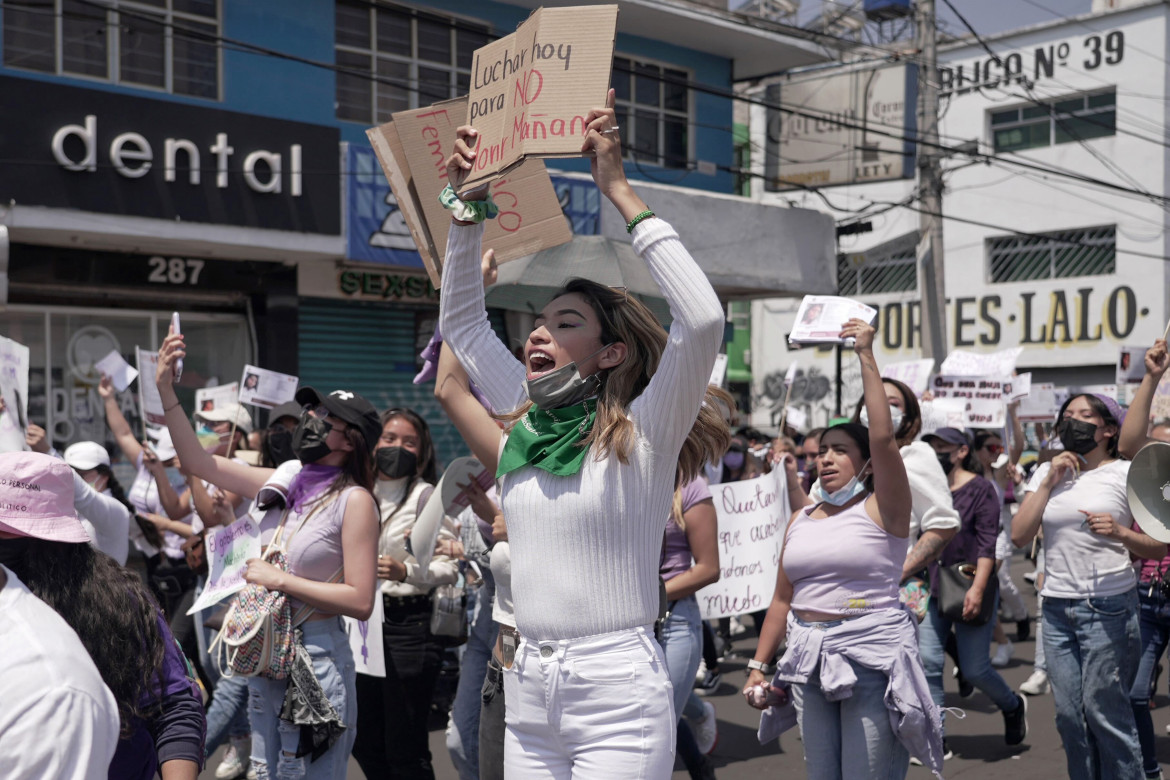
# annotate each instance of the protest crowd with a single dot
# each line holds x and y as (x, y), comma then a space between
(315, 589)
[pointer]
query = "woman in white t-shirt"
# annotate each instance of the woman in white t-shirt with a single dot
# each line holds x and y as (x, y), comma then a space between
(1090, 611)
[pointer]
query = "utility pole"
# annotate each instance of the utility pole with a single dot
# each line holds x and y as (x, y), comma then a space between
(930, 244)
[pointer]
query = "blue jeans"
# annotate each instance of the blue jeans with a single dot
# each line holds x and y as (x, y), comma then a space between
(1154, 621)
(463, 724)
(274, 742)
(852, 738)
(682, 644)
(228, 714)
(972, 642)
(1092, 647)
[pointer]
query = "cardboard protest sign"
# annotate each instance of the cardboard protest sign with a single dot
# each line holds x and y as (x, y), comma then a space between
(820, 317)
(121, 373)
(532, 90)
(752, 516)
(365, 641)
(14, 361)
(208, 399)
(228, 549)
(962, 363)
(1041, 405)
(983, 396)
(915, 374)
(412, 149)
(148, 397)
(1131, 365)
(266, 389)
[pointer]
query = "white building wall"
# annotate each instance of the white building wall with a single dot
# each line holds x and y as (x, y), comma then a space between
(1070, 328)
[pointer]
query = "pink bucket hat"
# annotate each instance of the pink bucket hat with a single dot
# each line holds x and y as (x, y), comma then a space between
(36, 498)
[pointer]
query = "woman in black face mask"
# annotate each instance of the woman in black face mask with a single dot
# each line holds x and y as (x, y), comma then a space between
(977, 503)
(1092, 643)
(392, 738)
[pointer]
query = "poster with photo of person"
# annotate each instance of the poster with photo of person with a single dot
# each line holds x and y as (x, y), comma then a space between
(13, 395)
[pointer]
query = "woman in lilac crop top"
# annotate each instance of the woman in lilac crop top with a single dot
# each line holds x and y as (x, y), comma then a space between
(331, 536)
(842, 561)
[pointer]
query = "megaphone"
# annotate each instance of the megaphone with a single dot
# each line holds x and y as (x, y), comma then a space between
(1148, 489)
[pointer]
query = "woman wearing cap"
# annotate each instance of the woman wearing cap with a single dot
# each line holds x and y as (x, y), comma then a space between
(978, 505)
(114, 615)
(105, 511)
(1153, 581)
(393, 739)
(852, 658)
(1092, 643)
(588, 469)
(331, 543)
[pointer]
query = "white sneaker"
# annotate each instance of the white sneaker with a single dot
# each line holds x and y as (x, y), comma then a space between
(1003, 655)
(1037, 685)
(701, 672)
(737, 627)
(235, 762)
(706, 729)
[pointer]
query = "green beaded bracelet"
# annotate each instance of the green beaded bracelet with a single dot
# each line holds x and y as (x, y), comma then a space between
(633, 223)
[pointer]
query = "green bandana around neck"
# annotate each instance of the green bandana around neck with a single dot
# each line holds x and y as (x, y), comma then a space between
(548, 439)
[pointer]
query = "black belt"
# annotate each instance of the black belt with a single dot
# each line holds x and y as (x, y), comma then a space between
(405, 603)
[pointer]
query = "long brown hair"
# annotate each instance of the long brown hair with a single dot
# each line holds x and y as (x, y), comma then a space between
(428, 464)
(627, 320)
(708, 440)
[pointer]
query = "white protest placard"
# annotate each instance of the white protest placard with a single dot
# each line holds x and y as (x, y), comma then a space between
(117, 369)
(1131, 365)
(962, 363)
(148, 397)
(228, 549)
(1021, 387)
(448, 498)
(983, 396)
(790, 374)
(365, 642)
(752, 516)
(719, 372)
(942, 413)
(796, 418)
(820, 318)
(208, 399)
(266, 389)
(14, 359)
(915, 374)
(1041, 405)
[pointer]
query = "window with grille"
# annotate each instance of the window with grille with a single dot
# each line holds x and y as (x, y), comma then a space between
(1055, 122)
(859, 275)
(393, 59)
(653, 107)
(1084, 252)
(162, 44)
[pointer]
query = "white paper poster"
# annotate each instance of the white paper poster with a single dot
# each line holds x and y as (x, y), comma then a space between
(719, 372)
(942, 413)
(267, 389)
(962, 363)
(228, 549)
(152, 405)
(1019, 388)
(14, 359)
(796, 418)
(365, 641)
(1041, 405)
(820, 318)
(1131, 365)
(117, 369)
(208, 399)
(983, 396)
(913, 373)
(752, 517)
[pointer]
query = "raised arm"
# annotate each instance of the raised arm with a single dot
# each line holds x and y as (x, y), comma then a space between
(237, 477)
(123, 434)
(1137, 421)
(891, 485)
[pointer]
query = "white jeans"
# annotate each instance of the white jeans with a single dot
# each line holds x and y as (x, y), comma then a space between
(594, 708)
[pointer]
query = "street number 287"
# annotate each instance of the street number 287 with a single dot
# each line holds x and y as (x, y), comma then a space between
(174, 270)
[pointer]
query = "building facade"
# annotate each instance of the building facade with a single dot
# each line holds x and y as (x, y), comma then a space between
(1068, 269)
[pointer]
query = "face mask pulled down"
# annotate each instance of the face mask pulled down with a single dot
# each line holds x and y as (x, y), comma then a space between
(564, 386)
(851, 490)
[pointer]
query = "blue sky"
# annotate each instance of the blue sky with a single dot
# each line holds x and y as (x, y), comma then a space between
(986, 16)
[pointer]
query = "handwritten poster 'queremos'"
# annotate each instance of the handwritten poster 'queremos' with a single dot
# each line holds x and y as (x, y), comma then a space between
(228, 549)
(752, 516)
(531, 90)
